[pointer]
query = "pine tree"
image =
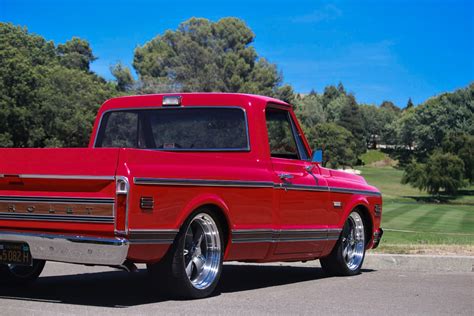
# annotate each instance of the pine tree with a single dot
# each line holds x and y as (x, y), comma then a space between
(351, 119)
(409, 104)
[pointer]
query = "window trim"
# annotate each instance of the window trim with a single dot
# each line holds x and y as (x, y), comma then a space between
(292, 128)
(298, 140)
(243, 149)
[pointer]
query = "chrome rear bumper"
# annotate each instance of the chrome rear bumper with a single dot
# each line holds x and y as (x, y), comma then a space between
(72, 248)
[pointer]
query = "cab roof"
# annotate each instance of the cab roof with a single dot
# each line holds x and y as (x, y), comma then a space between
(191, 99)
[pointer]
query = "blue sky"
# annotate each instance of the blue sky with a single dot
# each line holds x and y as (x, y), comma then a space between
(378, 49)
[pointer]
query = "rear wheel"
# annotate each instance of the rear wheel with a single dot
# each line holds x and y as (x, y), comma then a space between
(194, 264)
(13, 274)
(348, 255)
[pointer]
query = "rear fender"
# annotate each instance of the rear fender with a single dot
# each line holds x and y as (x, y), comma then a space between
(202, 200)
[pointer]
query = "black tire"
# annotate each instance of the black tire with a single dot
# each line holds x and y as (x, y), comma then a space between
(207, 251)
(17, 275)
(348, 254)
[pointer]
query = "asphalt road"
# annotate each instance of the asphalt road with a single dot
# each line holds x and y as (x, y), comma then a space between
(245, 289)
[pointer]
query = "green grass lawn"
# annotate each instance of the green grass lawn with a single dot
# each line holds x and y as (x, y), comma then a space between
(388, 180)
(372, 156)
(411, 217)
(425, 223)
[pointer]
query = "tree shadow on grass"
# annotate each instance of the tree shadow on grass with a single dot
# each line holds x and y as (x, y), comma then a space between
(441, 199)
(120, 289)
(466, 192)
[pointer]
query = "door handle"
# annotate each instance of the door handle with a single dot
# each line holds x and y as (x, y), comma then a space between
(309, 168)
(285, 176)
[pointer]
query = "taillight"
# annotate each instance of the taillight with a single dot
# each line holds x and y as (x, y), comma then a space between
(121, 205)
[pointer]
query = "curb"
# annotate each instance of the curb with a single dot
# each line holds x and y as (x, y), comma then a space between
(422, 263)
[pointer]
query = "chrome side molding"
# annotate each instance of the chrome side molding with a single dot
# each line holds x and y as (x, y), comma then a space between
(62, 177)
(152, 236)
(283, 235)
(203, 182)
(247, 184)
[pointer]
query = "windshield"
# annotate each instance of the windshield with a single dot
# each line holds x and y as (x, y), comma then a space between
(175, 129)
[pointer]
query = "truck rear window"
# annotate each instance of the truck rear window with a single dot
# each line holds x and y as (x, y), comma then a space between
(175, 129)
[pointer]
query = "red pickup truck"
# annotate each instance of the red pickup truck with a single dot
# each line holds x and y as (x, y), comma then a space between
(183, 182)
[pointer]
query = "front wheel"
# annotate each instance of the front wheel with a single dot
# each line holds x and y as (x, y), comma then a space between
(348, 255)
(13, 274)
(194, 264)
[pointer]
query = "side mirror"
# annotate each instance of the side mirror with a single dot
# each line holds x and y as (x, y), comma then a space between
(317, 156)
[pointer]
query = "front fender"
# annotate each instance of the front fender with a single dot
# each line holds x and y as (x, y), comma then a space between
(354, 202)
(369, 205)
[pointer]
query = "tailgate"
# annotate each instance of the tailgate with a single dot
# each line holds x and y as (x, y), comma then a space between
(58, 190)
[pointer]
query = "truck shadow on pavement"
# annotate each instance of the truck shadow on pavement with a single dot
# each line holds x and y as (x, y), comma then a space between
(121, 289)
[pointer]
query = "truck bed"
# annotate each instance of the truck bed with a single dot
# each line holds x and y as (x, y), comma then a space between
(71, 189)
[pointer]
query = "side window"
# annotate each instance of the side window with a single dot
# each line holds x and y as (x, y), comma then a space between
(120, 130)
(304, 155)
(280, 134)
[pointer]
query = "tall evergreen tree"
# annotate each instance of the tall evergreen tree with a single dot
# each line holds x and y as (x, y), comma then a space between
(410, 104)
(389, 105)
(123, 76)
(207, 56)
(351, 119)
(76, 53)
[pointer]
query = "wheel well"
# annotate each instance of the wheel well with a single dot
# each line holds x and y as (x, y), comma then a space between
(219, 213)
(368, 225)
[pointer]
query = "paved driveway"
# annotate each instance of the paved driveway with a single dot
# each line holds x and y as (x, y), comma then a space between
(245, 289)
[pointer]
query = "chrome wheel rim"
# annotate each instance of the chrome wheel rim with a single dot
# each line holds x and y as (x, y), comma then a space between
(202, 251)
(353, 241)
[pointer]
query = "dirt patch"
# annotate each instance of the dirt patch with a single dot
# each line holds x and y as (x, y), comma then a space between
(444, 250)
(386, 162)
